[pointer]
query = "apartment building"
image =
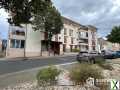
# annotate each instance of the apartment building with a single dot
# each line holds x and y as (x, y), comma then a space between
(88, 38)
(24, 41)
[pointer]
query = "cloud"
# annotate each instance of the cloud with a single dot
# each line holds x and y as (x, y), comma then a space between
(3, 24)
(104, 14)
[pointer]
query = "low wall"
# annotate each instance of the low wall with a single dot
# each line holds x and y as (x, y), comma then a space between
(15, 52)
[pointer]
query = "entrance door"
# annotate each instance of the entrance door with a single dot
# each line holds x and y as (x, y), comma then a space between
(71, 48)
(64, 47)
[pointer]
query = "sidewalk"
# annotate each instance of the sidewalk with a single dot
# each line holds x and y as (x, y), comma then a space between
(37, 57)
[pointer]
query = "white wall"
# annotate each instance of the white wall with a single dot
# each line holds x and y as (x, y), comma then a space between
(33, 42)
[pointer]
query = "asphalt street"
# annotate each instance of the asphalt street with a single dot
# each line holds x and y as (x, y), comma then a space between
(20, 65)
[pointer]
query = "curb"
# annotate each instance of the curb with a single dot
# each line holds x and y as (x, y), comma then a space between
(31, 58)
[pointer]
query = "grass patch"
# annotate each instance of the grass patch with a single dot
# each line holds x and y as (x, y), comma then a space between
(104, 65)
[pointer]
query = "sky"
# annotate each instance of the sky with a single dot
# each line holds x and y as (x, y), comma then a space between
(103, 14)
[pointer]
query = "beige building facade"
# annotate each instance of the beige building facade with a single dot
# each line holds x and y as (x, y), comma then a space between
(24, 41)
(106, 45)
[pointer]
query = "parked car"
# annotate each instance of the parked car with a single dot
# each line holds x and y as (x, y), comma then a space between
(90, 57)
(108, 54)
(117, 54)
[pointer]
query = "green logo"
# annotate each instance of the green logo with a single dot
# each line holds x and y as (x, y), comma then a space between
(114, 85)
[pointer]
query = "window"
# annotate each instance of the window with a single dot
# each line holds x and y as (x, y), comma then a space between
(93, 42)
(71, 32)
(83, 34)
(72, 40)
(64, 47)
(12, 44)
(65, 31)
(22, 43)
(93, 35)
(17, 43)
(86, 34)
(93, 47)
(86, 47)
(65, 39)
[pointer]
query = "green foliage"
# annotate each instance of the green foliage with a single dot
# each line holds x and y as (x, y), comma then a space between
(43, 13)
(114, 36)
(47, 18)
(75, 50)
(81, 73)
(20, 10)
(100, 61)
(47, 76)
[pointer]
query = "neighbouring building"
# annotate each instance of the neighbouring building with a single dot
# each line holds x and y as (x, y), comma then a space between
(106, 45)
(24, 41)
(0, 45)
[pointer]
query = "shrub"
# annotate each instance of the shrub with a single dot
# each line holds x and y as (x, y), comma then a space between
(75, 50)
(104, 65)
(81, 73)
(47, 76)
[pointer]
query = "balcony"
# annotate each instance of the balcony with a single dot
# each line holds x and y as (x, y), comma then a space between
(83, 37)
(83, 42)
(17, 34)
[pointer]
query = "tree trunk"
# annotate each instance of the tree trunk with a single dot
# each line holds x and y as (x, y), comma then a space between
(49, 42)
(40, 47)
(49, 47)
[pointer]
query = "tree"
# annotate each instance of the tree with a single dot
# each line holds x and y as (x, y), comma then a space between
(19, 10)
(114, 36)
(47, 18)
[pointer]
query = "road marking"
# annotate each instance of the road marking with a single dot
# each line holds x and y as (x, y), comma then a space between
(28, 70)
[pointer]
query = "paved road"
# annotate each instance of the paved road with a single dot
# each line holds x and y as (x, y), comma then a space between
(15, 66)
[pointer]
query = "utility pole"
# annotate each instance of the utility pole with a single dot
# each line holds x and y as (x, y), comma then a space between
(25, 42)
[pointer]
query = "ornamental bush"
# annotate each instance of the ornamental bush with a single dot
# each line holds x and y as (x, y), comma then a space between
(48, 76)
(75, 50)
(79, 74)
